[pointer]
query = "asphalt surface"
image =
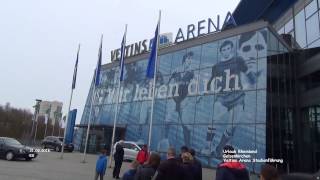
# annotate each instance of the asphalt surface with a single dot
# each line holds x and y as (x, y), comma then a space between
(49, 166)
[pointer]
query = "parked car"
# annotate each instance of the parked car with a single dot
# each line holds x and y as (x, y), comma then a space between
(130, 148)
(54, 142)
(11, 149)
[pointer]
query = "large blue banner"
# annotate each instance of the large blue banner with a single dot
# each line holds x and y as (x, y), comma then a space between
(70, 126)
(207, 96)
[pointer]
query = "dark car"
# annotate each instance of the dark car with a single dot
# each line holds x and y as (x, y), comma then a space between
(54, 142)
(11, 149)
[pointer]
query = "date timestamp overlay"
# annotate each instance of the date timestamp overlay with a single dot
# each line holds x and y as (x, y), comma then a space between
(39, 150)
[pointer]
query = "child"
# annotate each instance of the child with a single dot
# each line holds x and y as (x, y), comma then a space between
(101, 165)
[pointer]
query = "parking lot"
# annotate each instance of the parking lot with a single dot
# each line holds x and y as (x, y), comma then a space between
(48, 166)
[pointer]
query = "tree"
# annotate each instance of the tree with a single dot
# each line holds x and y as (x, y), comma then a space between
(14, 122)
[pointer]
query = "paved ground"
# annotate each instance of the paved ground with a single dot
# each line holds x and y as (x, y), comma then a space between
(48, 166)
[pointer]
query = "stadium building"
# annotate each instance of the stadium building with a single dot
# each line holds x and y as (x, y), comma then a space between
(255, 86)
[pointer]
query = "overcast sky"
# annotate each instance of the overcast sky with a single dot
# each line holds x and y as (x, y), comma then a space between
(39, 40)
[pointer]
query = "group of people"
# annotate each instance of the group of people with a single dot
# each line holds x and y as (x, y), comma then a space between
(148, 166)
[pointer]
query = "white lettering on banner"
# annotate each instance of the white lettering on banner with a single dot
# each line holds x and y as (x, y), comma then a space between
(162, 92)
(136, 96)
(150, 91)
(111, 95)
(143, 94)
(214, 85)
(236, 82)
(228, 78)
(125, 95)
(172, 90)
(205, 89)
(193, 86)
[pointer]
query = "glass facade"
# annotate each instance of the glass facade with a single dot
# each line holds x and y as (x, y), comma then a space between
(281, 109)
(207, 96)
(304, 27)
(311, 128)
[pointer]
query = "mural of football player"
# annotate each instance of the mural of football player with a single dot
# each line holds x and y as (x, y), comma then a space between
(230, 94)
(243, 75)
(251, 45)
(183, 76)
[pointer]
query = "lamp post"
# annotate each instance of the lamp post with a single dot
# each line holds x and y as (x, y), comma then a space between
(35, 122)
(60, 123)
(47, 117)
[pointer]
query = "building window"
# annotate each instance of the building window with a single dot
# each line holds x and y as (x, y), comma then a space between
(311, 8)
(288, 28)
(314, 44)
(281, 31)
(312, 25)
(300, 29)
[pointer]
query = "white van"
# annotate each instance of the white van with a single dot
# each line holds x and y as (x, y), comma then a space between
(130, 148)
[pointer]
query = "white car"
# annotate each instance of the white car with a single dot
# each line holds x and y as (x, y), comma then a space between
(130, 148)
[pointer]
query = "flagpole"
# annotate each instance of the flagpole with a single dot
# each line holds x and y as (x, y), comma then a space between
(154, 84)
(88, 129)
(65, 132)
(53, 128)
(117, 104)
(36, 130)
(96, 82)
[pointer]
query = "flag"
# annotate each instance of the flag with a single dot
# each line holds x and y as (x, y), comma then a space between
(153, 53)
(123, 47)
(98, 68)
(75, 70)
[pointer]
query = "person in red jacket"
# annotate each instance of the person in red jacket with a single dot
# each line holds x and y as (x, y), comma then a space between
(231, 169)
(143, 154)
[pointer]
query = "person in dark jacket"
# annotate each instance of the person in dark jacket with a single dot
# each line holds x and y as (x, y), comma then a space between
(129, 175)
(118, 159)
(170, 169)
(187, 166)
(231, 169)
(197, 167)
(101, 165)
(183, 149)
(148, 170)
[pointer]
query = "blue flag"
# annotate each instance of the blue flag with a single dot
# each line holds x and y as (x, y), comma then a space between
(153, 54)
(123, 47)
(75, 71)
(98, 68)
